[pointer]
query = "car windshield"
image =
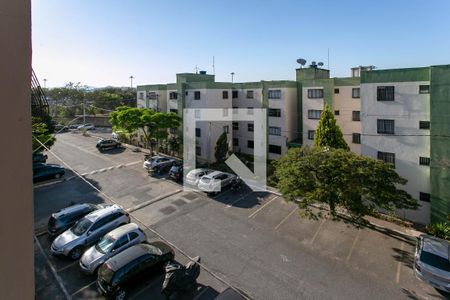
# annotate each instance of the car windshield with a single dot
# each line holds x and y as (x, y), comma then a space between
(105, 244)
(435, 261)
(81, 226)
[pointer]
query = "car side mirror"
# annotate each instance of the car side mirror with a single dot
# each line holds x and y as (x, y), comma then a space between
(88, 233)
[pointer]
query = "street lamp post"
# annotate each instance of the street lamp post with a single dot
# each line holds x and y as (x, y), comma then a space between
(45, 83)
(131, 79)
(232, 77)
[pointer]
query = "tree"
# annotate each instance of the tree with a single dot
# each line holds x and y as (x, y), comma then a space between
(41, 134)
(328, 134)
(340, 178)
(221, 149)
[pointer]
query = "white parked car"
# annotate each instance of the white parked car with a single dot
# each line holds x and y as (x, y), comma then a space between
(432, 262)
(88, 230)
(87, 126)
(111, 244)
(193, 177)
(158, 162)
(215, 182)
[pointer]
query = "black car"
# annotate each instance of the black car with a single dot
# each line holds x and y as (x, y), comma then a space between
(64, 218)
(176, 172)
(121, 271)
(107, 144)
(39, 158)
(47, 171)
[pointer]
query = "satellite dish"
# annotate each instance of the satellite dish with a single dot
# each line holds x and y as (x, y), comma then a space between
(320, 64)
(301, 61)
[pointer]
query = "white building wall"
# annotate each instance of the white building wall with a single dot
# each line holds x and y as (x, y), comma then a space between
(345, 104)
(408, 108)
(210, 131)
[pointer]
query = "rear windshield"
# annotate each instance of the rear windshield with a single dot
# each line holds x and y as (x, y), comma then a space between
(435, 261)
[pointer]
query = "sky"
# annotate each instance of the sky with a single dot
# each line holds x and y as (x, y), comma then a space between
(102, 43)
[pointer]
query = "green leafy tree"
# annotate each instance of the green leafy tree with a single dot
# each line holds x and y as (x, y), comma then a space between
(221, 149)
(340, 178)
(41, 134)
(328, 134)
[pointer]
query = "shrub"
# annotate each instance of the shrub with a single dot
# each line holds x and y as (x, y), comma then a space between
(440, 230)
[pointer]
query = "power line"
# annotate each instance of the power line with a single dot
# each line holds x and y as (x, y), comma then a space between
(142, 223)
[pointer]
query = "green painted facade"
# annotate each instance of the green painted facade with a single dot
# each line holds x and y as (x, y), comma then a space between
(440, 142)
(396, 75)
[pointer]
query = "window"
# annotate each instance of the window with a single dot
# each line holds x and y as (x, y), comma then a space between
(141, 95)
(234, 94)
(226, 129)
(121, 242)
(315, 93)
(336, 113)
(424, 124)
(387, 157)
(152, 96)
(314, 114)
(250, 144)
(173, 110)
(356, 115)
(225, 95)
(198, 150)
(356, 138)
(132, 235)
(275, 149)
(250, 127)
(198, 132)
(235, 126)
(336, 91)
(249, 110)
(385, 126)
(274, 94)
(424, 89)
(274, 130)
(355, 92)
(173, 95)
(424, 197)
(274, 112)
(187, 93)
(385, 93)
(197, 95)
(311, 134)
(424, 161)
(249, 94)
(235, 142)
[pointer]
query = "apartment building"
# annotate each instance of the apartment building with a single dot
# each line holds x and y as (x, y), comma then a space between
(201, 91)
(400, 116)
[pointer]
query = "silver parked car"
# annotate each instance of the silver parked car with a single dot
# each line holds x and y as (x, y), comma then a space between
(432, 262)
(214, 182)
(193, 177)
(111, 244)
(88, 230)
(158, 163)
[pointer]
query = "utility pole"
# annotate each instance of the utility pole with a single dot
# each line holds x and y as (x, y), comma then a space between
(232, 77)
(84, 111)
(131, 79)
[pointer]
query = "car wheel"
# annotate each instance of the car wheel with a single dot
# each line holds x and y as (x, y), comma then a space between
(57, 175)
(75, 253)
(120, 295)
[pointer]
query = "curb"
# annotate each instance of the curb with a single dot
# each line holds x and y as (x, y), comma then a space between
(411, 234)
(147, 203)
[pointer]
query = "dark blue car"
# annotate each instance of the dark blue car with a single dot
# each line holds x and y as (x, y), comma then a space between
(47, 171)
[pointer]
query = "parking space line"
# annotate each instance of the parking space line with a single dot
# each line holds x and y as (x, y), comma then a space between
(317, 231)
(239, 199)
(84, 287)
(285, 218)
(259, 209)
(353, 245)
(68, 266)
(58, 279)
(399, 264)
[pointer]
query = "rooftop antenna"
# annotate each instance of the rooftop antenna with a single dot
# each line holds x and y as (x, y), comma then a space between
(196, 69)
(328, 59)
(214, 67)
(302, 62)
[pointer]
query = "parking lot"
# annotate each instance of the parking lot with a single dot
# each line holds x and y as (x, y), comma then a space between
(254, 241)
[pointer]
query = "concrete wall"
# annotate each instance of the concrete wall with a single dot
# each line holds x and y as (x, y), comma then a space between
(308, 104)
(407, 110)
(16, 215)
